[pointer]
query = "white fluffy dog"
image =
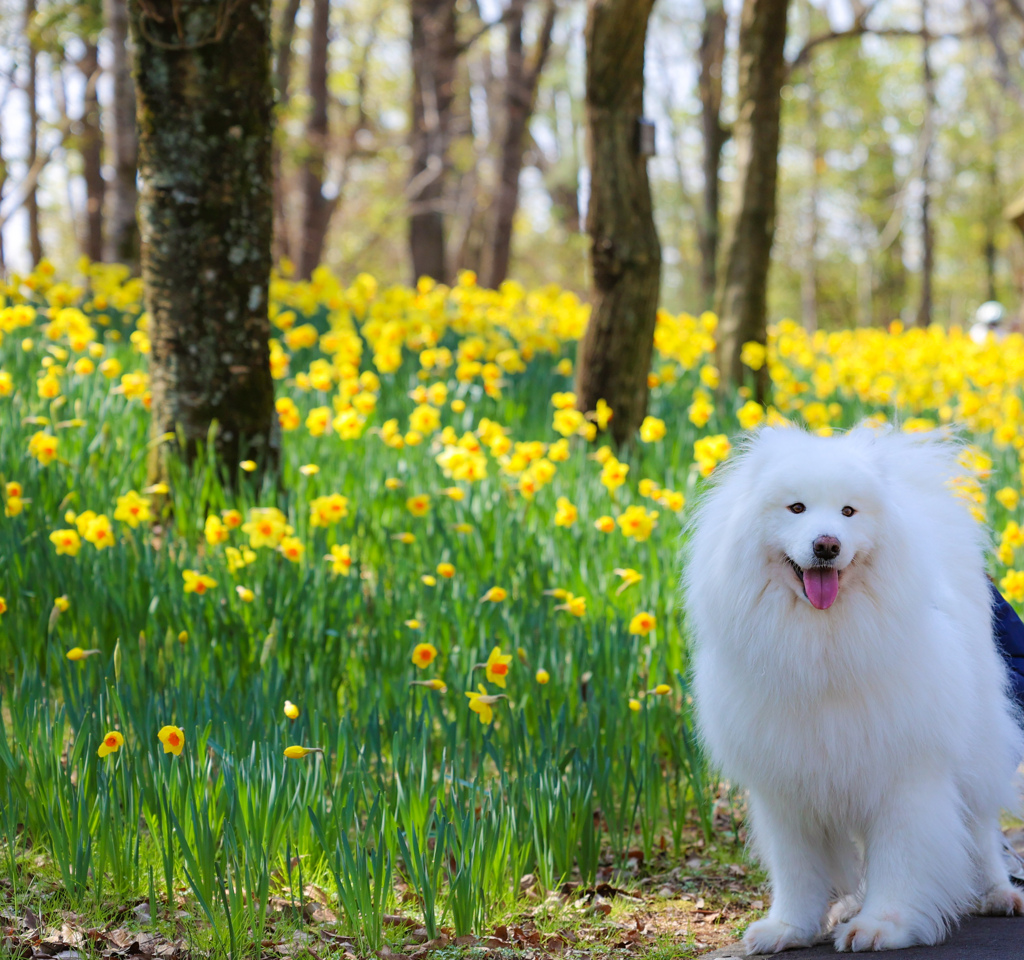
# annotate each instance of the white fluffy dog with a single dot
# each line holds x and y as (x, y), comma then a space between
(846, 675)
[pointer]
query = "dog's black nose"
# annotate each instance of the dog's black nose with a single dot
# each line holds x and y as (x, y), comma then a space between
(827, 548)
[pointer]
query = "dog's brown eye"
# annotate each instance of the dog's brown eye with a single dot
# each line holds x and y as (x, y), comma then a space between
(797, 508)
(848, 511)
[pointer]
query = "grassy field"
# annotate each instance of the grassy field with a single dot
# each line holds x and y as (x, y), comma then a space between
(430, 690)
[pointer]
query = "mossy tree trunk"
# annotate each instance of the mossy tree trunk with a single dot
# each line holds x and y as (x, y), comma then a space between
(202, 75)
(742, 297)
(614, 356)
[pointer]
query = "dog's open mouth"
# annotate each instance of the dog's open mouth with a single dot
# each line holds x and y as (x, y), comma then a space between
(820, 583)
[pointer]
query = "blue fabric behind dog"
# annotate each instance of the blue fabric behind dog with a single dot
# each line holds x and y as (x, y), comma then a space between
(1009, 634)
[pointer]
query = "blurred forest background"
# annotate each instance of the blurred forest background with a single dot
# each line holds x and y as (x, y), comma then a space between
(902, 146)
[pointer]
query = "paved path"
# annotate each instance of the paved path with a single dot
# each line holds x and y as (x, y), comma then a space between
(980, 938)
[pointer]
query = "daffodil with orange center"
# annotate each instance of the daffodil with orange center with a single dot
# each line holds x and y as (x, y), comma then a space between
(424, 654)
(132, 509)
(112, 742)
(565, 513)
(642, 624)
(497, 667)
(196, 582)
(419, 505)
(173, 739)
(67, 542)
(340, 559)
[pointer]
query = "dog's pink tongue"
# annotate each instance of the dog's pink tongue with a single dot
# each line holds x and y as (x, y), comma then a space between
(821, 584)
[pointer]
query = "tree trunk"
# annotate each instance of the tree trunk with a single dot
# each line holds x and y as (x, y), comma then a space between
(90, 145)
(924, 310)
(614, 356)
(521, 80)
(742, 306)
(122, 227)
(809, 279)
(712, 58)
(989, 246)
(32, 198)
(315, 207)
(205, 107)
(282, 92)
(434, 54)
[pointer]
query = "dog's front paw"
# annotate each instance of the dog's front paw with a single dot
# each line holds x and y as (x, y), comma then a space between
(873, 933)
(773, 936)
(843, 910)
(1003, 900)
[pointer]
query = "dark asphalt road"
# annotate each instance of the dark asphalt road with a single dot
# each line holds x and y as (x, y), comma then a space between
(980, 938)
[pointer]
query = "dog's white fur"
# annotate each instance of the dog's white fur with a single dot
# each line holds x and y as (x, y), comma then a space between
(876, 738)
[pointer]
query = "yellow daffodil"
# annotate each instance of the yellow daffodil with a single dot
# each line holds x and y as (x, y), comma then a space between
(642, 624)
(637, 523)
(494, 595)
(173, 739)
(482, 703)
(419, 505)
(297, 752)
(497, 667)
(290, 710)
(437, 685)
(424, 655)
(112, 742)
(565, 513)
(340, 559)
(132, 509)
(577, 606)
(77, 653)
(629, 577)
(652, 430)
(542, 676)
(67, 542)
(196, 582)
